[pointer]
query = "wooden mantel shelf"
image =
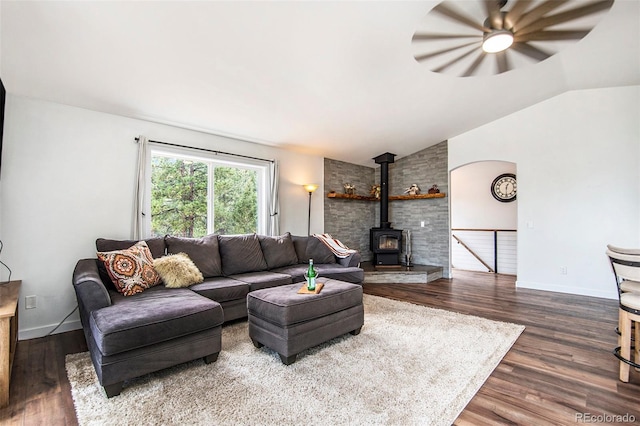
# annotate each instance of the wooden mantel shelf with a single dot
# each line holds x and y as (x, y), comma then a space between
(391, 197)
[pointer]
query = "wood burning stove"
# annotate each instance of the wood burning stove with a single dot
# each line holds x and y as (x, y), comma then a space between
(385, 242)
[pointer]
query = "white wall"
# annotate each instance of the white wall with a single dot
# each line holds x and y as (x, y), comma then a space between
(578, 160)
(68, 178)
(1, 267)
(473, 207)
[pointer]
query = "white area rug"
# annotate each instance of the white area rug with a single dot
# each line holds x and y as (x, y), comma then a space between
(410, 365)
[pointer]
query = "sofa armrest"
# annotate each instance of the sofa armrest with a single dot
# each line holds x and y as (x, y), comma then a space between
(90, 290)
(351, 260)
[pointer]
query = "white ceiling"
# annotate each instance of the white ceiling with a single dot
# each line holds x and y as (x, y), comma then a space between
(330, 78)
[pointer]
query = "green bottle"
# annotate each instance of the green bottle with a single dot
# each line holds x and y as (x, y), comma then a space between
(311, 276)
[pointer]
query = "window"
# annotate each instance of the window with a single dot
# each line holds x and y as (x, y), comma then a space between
(193, 195)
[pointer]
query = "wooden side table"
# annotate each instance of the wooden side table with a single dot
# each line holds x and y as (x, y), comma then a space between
(9, 294)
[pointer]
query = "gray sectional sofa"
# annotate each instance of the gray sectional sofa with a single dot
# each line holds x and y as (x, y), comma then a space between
(129, 336)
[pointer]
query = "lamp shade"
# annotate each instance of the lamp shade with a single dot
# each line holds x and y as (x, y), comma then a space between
(310, 187)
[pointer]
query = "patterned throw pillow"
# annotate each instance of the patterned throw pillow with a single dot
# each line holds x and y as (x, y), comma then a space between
(131, 270)
(177, 270)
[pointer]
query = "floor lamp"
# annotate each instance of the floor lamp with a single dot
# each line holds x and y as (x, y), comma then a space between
(310, 187)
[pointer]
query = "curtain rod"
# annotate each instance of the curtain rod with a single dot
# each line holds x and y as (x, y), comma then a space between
(207, 150)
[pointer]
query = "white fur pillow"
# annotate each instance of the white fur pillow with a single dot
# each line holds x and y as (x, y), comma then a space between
(177, 270)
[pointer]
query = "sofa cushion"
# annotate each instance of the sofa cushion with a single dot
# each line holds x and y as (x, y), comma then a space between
(177, 270)
(222, 289)
(296, 272)
(155, 316)
(278, 251)
(319, 252)
(336, 271)
(241, 253)
(202, 251)
(350, 274)
(265, 279)
(300, 245)
(156, 245)
(131, 270)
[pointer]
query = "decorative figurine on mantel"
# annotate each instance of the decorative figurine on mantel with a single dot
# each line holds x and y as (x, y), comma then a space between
(414, 189)
(433, 190)
(375, 191)
(349, 189)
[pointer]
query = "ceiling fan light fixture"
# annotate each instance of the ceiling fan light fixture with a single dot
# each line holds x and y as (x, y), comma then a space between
(497, 41)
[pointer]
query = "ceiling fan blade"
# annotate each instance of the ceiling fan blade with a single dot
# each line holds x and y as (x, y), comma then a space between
(536, 13)
(490, 6)
(551, 35)
(515, 13)
(453, 61)
(433, 36)
(492, 9)
(474, 66)
(563, 17)
(530, 51)
(441, 52)
(445, 10)
(503, 62)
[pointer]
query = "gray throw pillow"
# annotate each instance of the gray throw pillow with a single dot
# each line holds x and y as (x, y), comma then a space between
(278, 251)
(202, 251)
(319, 252)
(240, 254)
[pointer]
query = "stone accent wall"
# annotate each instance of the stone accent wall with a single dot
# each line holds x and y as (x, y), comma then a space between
(349, 220)
(430, 244)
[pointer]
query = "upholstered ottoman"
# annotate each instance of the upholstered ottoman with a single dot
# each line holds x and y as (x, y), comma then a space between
(287, 322)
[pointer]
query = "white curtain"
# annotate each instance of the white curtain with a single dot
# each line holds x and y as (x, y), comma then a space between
(273, 226)
(139, 201)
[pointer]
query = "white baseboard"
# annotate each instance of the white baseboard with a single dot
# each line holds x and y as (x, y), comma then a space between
(34, 333)
(566, 289)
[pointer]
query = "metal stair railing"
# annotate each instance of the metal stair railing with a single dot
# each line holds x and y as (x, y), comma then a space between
(495, 245)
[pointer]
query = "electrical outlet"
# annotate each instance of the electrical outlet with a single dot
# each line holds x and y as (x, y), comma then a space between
(563, 270)
(422, 224)
(30, 302)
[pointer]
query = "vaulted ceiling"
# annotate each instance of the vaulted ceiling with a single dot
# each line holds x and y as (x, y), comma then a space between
(330, 78)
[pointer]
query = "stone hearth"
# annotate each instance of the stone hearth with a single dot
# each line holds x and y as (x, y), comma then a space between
(417, 274)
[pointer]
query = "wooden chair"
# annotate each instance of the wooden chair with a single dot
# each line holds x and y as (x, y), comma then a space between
(626, 268)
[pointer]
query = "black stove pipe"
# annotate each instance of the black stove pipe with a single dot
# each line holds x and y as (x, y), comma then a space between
(384, 160)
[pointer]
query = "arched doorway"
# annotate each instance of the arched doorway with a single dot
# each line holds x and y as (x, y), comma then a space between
(483, 225)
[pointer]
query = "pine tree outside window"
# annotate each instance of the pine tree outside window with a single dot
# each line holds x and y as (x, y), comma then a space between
(192, 196)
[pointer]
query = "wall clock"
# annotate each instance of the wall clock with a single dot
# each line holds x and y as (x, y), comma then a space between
(504, 187)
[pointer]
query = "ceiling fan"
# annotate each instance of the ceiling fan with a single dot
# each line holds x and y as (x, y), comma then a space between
(485, 37)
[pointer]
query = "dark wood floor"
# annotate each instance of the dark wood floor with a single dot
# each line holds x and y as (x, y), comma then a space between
(561, 367)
